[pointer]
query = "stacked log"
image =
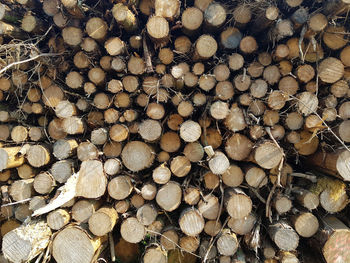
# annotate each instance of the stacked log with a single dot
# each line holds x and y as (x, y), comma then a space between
(203, 131)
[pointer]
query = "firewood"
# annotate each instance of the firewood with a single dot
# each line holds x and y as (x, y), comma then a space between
(83, 248)
(26, 242)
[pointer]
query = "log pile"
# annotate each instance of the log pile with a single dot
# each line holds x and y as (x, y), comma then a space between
(174, 131)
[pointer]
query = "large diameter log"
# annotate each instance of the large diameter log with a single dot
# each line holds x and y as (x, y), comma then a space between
(158, 29)
(334, 163)
(284, 236)
(137, 155)
(330, 70)
(306, 224)
(26, 242)
(92, 182)
(205, 47)
(80, 249)
(10, 158)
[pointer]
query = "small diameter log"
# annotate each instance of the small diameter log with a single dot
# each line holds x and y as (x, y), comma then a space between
(148, 191)
(268, 155)
(227, 243)
(58, 219)
(161, 174)
(255, 177)
(150, 130)
(307, 199)
(180, 166)
(265, 18)
(230, 38)
(10, 158)
(124, 17)
(62, 170)
(334, 163)
(305, 224)
(132, 230)
(38, 155)
(21, 189)
(169, 9)
(158, 30)
(169, 196)
(103, 221)
(233, 176)
(237, 203)
(32, 24)
(44, 183)
(209, 207)
(72, 35)
(191, 20)
(81, 249)
(24, 243)
(191, 222)
(137, 155)
(83, 209)
(212, 228)
(154, 254)
(190, 131)
(284, 236)
(205, 47)
(214, 16)
(330, 70)
(235, 120)
(238, 147)
(62, 149)
(219, 163)
(120, 187)
(146, 214)
(282, 204)
(91, 171)
(242, 226)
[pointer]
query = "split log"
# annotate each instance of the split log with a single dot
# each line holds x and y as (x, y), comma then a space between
(26, 242)
(91, 171)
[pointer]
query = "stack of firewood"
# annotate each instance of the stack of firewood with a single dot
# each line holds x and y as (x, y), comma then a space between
(174, 131)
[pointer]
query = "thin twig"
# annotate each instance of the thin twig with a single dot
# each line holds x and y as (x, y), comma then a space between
(111, 246)
(28, 60)
(312, 178)
(18, 202)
